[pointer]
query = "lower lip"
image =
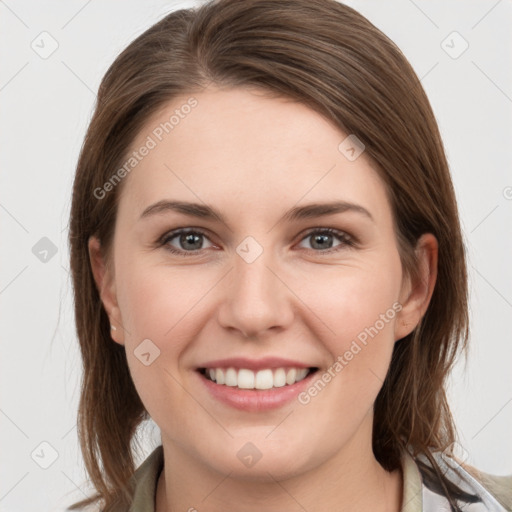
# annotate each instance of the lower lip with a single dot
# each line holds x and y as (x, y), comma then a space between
(255, 400)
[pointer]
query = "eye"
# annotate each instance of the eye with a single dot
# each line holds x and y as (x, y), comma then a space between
(322, 238)
(188, 241)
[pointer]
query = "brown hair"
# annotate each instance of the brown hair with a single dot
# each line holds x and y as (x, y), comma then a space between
(327, 56)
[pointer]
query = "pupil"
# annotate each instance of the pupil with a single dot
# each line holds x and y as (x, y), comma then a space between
(323, 238)
(190, 238)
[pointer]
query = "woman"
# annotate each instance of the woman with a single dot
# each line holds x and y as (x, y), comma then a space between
(294, 355)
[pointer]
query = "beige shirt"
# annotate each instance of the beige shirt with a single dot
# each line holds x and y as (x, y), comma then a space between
(493, 493)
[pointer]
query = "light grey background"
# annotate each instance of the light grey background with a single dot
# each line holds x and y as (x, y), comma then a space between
(46, 104)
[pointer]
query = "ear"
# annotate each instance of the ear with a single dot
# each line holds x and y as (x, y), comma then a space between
(105, 282)
(416, 294)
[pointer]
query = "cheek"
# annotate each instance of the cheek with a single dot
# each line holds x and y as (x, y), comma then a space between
(359, 307)
(159, 304)
(350, 299)
(156, 301)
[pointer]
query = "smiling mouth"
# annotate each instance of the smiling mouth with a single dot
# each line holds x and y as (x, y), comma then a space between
(243, 378)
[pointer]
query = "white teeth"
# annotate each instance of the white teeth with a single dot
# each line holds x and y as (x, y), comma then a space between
(231, 377)
(263, 379)
(245, 379)
(290, 376)
(301, 374)
(279, 378)
(218, 376)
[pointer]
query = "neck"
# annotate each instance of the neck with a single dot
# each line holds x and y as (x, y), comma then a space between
(351, 479)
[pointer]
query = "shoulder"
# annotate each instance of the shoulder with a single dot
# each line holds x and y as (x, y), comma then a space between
(498, 486)
(479, 491)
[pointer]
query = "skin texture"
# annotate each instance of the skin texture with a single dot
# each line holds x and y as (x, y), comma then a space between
(253, 158)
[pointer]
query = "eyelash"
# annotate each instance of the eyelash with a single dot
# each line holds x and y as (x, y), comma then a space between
(347, 240)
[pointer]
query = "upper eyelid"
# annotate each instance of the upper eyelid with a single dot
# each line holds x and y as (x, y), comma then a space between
(173, 233)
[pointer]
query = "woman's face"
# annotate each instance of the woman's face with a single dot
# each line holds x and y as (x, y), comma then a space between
(265, 282)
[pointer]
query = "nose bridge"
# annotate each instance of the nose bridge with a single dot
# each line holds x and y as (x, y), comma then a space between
(255, 298)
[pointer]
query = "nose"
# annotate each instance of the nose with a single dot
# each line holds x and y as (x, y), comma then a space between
(255, 298)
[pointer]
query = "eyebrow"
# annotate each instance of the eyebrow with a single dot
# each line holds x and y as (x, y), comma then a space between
(203, 211)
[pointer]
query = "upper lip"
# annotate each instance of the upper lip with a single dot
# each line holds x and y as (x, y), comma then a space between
(254, 364)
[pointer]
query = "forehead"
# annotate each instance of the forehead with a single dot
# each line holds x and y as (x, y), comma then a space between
(247, 152)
